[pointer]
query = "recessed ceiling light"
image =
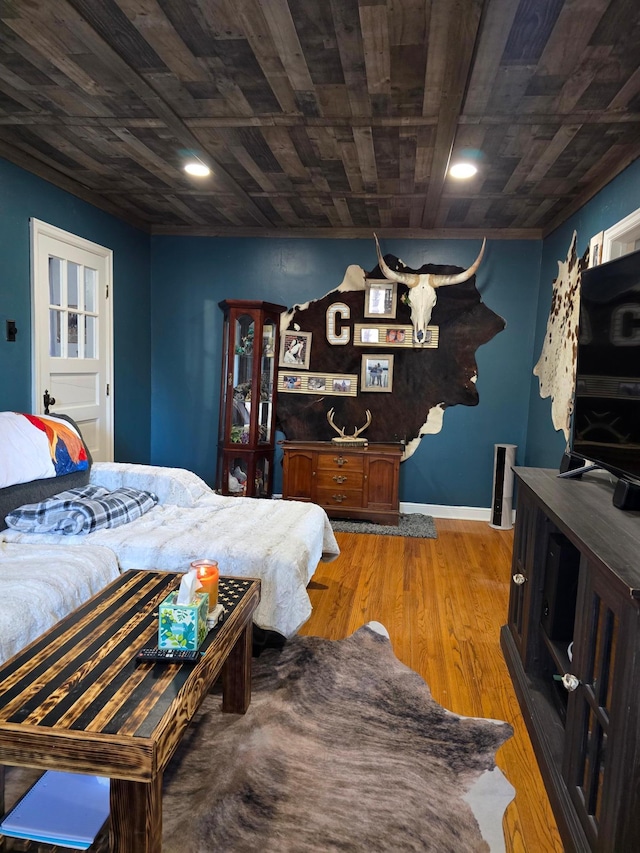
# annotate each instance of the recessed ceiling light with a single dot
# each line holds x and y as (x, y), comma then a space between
(198, 169)
(463, 170)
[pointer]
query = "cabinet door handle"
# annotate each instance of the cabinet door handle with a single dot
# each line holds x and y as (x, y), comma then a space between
(519, 578)
(570, 682)
(338, 478)
(339, 498)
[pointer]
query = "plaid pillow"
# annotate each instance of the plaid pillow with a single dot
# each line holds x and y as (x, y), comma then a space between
(81, 510)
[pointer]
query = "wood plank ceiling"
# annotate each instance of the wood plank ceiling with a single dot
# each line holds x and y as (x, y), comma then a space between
(324, 117)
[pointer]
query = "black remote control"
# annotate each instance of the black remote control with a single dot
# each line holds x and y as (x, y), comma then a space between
(156, 655)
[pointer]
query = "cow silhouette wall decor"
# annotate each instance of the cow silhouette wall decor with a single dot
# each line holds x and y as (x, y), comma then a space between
(430, 373)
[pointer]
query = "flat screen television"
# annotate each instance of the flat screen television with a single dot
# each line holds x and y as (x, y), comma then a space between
(606, 417)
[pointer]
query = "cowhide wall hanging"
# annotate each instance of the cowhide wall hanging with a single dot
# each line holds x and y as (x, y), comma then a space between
(359, 353)
(556, 367)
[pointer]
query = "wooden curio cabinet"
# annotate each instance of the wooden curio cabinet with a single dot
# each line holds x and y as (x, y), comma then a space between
(248, 394)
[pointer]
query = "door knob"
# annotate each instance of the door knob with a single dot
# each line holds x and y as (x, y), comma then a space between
(48, 401)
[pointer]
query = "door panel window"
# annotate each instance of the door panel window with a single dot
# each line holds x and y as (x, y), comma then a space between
(55, 281)
(89, 337)
(90, 279)
(73, 273)
(72, 310)
(55, 333)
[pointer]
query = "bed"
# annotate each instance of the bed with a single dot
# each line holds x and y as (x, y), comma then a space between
(281, 542)
(41, 584)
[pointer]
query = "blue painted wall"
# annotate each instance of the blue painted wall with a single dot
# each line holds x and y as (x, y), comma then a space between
(618, 199)
(23, 196)
(167, 329)
(191, 275)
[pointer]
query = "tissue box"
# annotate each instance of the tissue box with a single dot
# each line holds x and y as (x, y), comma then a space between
(182, 626)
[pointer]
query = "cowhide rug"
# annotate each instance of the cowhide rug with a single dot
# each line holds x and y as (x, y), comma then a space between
(342, 749)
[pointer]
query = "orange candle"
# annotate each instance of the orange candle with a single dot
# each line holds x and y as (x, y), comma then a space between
(208, 575)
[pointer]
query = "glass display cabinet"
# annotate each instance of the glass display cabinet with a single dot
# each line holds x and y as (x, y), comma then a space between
(246, 435)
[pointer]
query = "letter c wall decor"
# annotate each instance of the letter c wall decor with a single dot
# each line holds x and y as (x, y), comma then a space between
(335, 311)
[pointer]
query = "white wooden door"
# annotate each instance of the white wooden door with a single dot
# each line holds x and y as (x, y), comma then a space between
(72, 332)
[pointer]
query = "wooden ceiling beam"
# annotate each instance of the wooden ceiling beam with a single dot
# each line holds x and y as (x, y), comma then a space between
(463, 21)
(357, 233)
(340, 115)
(107, 54)
(32, 163)
(616, 161)
(582, 117)
(493, 39)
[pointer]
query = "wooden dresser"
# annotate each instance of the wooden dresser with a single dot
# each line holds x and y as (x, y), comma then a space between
(347, 482)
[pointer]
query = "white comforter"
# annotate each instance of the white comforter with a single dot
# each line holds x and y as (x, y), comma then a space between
(41, 584)
(280, 542)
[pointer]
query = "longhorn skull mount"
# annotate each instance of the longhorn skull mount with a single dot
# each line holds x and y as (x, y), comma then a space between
(423, 294)
(348, 440)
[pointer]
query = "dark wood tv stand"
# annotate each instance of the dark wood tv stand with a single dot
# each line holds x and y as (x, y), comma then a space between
(576, 578)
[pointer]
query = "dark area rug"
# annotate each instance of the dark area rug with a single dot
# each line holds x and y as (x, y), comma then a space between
(342, 749)
(411, 524)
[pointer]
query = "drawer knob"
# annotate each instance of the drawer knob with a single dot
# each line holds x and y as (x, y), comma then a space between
(340, 460)
(519, 578)
(339, 478)
(339, 498)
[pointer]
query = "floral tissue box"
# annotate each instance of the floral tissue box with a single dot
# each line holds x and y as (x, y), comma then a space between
(182, 626)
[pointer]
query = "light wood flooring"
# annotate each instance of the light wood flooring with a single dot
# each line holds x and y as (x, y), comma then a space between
(443, 602)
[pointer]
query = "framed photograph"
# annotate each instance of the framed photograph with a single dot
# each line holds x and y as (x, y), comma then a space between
(595, 249)
(291, 382)
(295, 350)
(377, 373)
(395, 336)
(390, 335)
(338, 384)
(380, 298)
(341, 385)
(317, 383)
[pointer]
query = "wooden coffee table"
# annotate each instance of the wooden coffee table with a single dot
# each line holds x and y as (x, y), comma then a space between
(74, 700)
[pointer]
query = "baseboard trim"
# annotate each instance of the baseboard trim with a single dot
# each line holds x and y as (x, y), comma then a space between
(463, 513)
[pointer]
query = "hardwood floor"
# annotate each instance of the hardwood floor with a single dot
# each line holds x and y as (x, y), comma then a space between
(443, 602)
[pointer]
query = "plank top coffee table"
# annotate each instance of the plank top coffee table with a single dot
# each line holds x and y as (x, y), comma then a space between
(75, 700)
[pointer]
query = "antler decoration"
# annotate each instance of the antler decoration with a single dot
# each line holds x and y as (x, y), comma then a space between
(348, 439)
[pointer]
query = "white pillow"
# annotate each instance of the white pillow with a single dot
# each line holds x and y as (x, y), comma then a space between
(174, 486)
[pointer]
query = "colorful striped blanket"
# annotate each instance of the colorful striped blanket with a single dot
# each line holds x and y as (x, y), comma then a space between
(35, 447)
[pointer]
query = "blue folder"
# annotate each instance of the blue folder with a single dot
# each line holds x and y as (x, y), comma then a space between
(67, 809)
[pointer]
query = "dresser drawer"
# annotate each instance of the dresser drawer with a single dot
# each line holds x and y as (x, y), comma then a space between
(342, 478)
(341, 461)
(339, 497)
